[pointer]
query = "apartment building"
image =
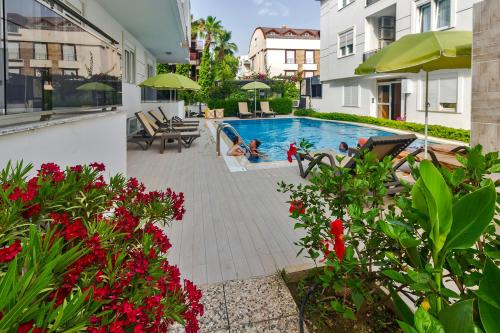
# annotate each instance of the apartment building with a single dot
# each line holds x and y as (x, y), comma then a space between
(285, 51)
(70, 72)
(353, 30)
(244, 67)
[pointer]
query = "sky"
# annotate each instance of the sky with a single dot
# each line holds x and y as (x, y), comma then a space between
(241, 17)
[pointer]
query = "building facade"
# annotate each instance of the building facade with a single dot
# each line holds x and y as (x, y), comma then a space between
(244, 67)
(353, 30)
(70, 72)
(285, 51)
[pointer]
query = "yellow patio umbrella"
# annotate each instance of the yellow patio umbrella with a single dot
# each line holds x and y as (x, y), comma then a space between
(428, 51)
(255, 85)
(170, 81)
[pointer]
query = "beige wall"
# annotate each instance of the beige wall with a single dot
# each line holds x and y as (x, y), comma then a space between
(486, 75)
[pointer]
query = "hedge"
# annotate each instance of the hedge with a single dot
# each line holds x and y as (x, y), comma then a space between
(434, 130)
(282, 106)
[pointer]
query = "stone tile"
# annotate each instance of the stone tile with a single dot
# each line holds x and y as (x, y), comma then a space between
(258, 300)
(215, 316)
(286, 324)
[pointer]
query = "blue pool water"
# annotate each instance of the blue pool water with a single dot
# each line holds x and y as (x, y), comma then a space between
(277, 134)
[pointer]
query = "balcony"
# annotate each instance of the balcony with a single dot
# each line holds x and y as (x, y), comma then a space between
(371, 2)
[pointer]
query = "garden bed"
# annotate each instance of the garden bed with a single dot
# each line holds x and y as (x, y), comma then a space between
(320, 317)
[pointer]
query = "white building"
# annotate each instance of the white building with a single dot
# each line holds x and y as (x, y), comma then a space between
(244, 67)
(285, 51)
(55, 47)
(352, 30)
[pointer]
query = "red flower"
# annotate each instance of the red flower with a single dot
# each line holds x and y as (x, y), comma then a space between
(26, 327)
(292, 151)
(52, 171)
(8, 253)
(32, 211)
(297, 206)
(337, 228)
(77, 168)
(339, 248)
(98, 166)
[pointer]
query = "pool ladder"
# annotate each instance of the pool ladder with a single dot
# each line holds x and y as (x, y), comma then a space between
(220, 128)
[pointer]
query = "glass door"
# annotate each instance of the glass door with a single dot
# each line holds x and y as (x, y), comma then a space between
(384, 100)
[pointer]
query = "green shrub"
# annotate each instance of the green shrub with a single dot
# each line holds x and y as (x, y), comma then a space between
(281, 106)
(434, 130)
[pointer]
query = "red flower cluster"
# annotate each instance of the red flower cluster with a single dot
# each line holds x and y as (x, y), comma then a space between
(98, 166)
(193, 295)
(159, 237)
(51, 171)
(337, 231)
(297, 206)
(177, 203)
(8, 253)
(292, 151)
(29, 327)
(29, 194)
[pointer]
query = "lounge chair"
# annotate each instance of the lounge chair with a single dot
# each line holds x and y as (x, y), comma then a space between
(177, 119)
(381, 146)
(148, 135)
(188, 134)
(266, 110)
(169, 125)
(243, 110)
(165, 123)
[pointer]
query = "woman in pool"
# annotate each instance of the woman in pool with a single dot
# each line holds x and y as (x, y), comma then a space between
(343, 147)
(254, 152)
(236, 149)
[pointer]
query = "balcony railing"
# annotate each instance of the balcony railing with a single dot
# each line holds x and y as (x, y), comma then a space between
(371, 2)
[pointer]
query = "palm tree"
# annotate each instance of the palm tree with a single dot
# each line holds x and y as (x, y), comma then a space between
(224, 46)
(208, 29)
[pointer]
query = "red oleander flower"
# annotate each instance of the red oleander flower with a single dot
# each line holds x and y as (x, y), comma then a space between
(292, 151)
(159, 237)
(25, 327)
(51, 170)
(297, 206)
(77, 168)
(8, 253)
(32, 211)
(75, 230)
(98, 166)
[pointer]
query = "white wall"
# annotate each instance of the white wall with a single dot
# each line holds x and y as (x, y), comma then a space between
(99, 138)
(170, 109)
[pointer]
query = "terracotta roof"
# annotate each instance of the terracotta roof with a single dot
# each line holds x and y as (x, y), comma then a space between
(290, 33)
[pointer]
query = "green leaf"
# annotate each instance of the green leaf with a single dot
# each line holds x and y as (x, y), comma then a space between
(358, 299)
(439, 203)
(419, 277)
(402, 309)
(419, 202)
(425, 323)
(394, 275)
(471, 216)
(488, 286)
(406, 328)
(336, 306)
(348, 314)
(489, 317)
(458, 318)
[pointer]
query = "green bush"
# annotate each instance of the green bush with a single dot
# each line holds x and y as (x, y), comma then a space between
(281, 106)
(434, 130)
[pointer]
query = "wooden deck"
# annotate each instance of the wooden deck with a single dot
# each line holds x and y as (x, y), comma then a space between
(237, 224)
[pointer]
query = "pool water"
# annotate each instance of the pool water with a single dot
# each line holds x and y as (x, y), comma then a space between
(277, 134)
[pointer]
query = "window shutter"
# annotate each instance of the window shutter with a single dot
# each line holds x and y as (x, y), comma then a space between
(433, 94)
(448, 90)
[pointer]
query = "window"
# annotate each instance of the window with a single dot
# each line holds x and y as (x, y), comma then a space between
(425, 17)
(346, 43)
(69, 52)
(290, 73)
(13, 50)
(70, 72)
(40, 50)
(351, 92)
(289, 34)
(49, 86)
(309, 57)
(343, 3)
(442, 93)
(308, 74)
(443, 8)
(290, 57)
(129, 71)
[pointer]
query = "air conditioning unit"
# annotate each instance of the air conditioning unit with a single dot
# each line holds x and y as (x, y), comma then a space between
(406, 86)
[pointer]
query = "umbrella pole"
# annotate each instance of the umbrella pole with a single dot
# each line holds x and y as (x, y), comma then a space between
(255, 103)
(426, 143)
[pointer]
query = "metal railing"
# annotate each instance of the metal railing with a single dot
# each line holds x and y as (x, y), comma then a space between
(371, 2)
(220, 128)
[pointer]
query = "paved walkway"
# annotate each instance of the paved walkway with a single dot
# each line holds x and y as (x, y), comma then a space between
(237, 224)
(256, 305)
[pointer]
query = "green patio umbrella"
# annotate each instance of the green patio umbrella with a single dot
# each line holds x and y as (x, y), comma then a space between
(170, 81)
(93, 87)
(255, 85)
(428, 51)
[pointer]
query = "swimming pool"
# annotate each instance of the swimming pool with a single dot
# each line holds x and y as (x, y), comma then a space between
(277, 134)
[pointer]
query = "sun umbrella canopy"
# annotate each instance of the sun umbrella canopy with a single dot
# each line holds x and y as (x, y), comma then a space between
(95, 86)
(256, 85)
(170, 81)
(428, 51)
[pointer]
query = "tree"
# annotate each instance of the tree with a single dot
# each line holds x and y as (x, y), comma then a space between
(208, 29)
(224, 46)
(183, 69)
(227, 68)
(206, 77)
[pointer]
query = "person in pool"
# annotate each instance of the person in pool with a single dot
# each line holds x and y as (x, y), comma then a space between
(343, 147)
(236, 149)
(362, 142)
(254, 152)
